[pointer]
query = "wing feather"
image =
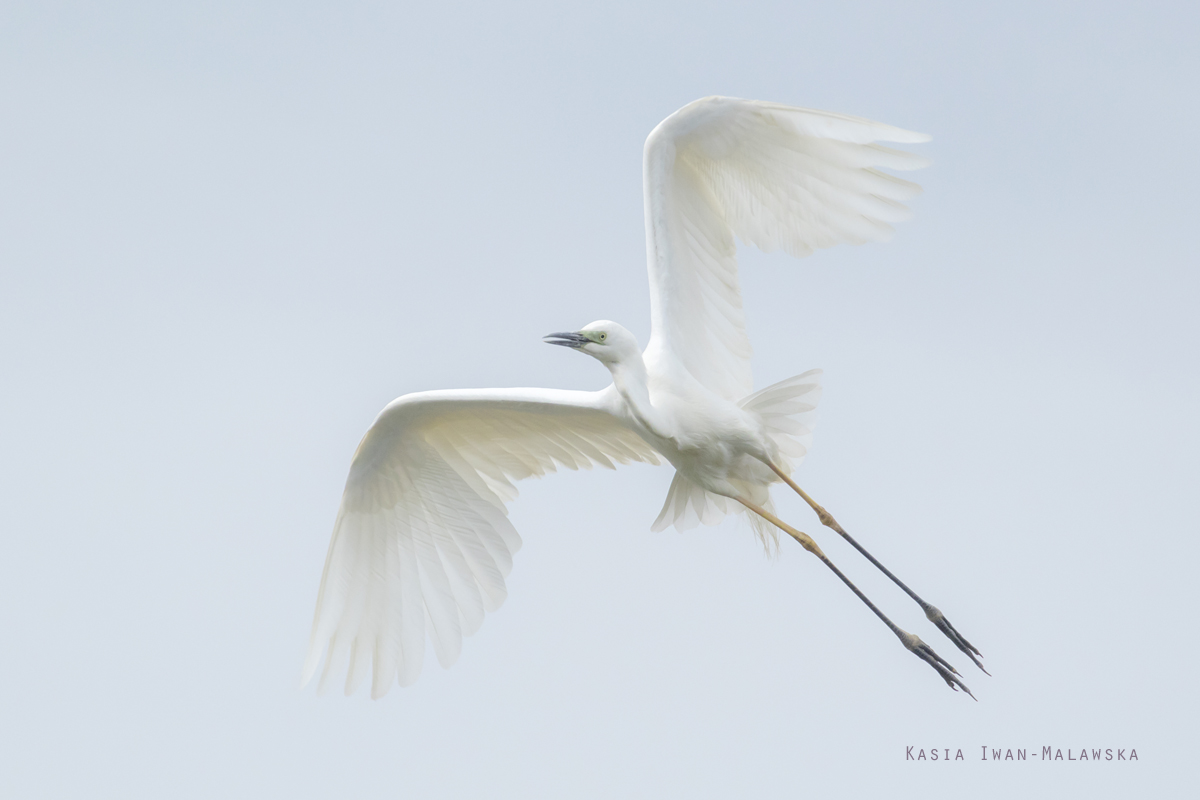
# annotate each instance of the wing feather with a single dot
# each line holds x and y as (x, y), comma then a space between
(422, 544)
(777, 178)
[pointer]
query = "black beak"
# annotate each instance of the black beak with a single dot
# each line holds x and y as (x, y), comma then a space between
(575, 340)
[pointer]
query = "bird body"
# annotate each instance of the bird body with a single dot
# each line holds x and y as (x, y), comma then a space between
(422, 544)
(700, 433)
(718, 446)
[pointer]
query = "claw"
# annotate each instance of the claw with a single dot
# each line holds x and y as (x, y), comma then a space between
(937, 618)
(926, 653)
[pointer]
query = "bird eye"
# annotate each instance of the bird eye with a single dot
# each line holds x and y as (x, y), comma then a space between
(603, 336)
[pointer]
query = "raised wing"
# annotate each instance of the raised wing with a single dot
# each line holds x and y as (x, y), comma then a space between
(422, 542)
(774, 176)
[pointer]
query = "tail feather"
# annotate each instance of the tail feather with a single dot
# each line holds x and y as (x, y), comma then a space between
(788, 411)
(687, 505)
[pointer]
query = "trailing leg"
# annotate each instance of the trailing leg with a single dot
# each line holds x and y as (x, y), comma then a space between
(912, 642)
(931, 612)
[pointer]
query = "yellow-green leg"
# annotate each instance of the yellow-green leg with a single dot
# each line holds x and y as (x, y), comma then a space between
(910, 641)
(931, 612)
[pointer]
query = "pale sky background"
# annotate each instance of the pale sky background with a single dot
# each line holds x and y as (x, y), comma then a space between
(230, 234)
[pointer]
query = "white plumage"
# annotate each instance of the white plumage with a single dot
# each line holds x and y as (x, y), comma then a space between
(422, 544)
(422, 537)
(775, 177)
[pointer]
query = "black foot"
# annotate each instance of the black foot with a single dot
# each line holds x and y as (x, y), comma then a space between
(925, 653)
(943, 625)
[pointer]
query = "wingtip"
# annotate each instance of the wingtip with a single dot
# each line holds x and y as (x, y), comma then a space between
(309, 669)
(902, 136)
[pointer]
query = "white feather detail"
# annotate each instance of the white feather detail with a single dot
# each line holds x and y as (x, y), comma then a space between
(422, 544)
(787, 411)
(776, 177)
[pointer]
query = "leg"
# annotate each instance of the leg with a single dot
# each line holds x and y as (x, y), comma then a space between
(912, 642)
(931, 612)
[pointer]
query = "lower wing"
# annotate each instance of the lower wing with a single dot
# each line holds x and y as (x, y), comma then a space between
(422, 542)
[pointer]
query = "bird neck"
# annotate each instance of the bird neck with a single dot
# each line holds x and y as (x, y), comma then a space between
(632, 382)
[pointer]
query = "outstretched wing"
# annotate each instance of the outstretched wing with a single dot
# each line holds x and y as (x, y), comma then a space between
(422, 542)
(774, 176)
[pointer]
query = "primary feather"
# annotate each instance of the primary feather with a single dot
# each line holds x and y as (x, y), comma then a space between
(773, 176)
(422, 534)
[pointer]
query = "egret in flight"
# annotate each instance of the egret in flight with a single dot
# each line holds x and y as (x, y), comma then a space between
(422, 544)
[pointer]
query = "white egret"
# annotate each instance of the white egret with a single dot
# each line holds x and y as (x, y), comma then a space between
(422, 544)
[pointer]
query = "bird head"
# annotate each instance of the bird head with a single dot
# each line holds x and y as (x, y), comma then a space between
(603, 340)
